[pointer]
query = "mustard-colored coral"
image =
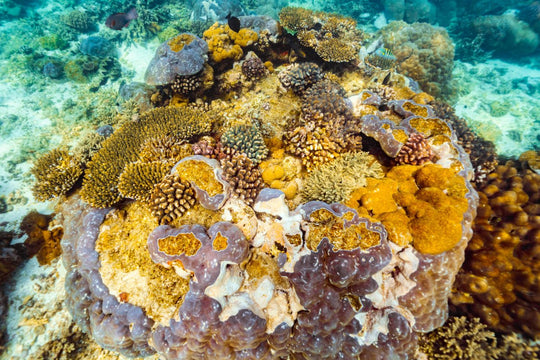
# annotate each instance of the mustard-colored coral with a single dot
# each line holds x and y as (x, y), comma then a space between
(225, 44)
(411, 201)
(100, 185)
(178, 42)
(336, 180)
(138, 179)
(56, 172)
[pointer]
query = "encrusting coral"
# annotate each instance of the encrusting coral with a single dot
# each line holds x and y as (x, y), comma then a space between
(56, 172)
(100, 184)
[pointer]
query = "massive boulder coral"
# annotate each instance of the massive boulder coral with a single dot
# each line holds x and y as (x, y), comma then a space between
(423, 52)
(499, 279)
(215, 266)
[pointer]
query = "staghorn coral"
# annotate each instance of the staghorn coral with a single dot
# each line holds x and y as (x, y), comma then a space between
(423, 52)
(333, 37)
(499, 279)
(226, 44)
(246, 139)
(56, 172)
(416, 151)
(244, 177)
(101, 178)
(138, 179)
(171, 198)
(336, 180)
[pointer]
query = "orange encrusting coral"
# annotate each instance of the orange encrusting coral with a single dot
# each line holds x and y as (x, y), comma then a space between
(224, 44)
(423, 205)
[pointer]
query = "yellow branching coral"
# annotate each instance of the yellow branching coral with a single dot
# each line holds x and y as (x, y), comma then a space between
(138, 179)
(223, 43)
(56, 172)
(100, 185)
(336, 180)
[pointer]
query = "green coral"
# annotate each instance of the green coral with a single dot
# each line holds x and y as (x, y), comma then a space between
(53, 42)
(56, 172)
(139, 178)
(248, 140)
(335, 181)
(100, 184)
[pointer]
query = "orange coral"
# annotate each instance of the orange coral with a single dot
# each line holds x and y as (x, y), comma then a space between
(224, 44)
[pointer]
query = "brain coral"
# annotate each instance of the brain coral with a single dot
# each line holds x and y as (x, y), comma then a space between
(423, 52)
(201, 273)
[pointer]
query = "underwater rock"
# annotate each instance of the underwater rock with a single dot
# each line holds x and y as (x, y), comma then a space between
(52, 70)
(185, 54)
(97, 46)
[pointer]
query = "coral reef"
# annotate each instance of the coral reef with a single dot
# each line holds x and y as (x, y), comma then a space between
(78, 20)
(279, 238)
(41, 241)
(423, 52)
(55, 172)
(499, 279)
(333, 37)
(97, 46)
(100, 184)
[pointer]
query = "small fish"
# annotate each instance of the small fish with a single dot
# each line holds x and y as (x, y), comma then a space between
(119, 21)
(233, 22)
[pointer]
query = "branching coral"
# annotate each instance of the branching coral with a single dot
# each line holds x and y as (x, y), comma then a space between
(139, 178)
(171, 198)
(336, 180)
(244, 177)
(416, 151)
(247, 140)
(100, 185)
(56, 172)
(299, 77)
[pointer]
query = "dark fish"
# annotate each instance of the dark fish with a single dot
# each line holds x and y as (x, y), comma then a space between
(119, 21)
(233, 22)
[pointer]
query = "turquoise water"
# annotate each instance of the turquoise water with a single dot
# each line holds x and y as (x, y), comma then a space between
(61, 68)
